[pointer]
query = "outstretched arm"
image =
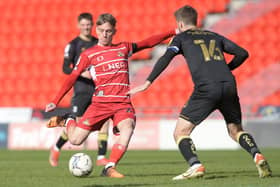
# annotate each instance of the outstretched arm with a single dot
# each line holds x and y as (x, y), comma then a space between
(159, 67)
(153, 40)
(81, 65)
(67, 85)
(161, 64)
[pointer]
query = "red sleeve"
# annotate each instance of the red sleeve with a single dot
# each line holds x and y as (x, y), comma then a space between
(67, 85)
(154, 40)
(81, 64)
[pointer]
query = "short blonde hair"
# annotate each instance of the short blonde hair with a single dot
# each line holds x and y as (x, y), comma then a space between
(104, 18)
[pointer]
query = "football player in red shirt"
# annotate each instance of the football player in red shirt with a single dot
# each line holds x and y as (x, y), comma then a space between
(83, 89)
(108, 64)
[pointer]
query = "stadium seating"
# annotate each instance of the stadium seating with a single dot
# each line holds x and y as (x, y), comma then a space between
(261, 41)
(34, 33)
(263, 46)
(33, 36)
(272, 99)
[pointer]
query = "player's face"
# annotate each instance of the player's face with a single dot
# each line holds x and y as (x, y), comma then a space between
(85, 27)
(105, 33)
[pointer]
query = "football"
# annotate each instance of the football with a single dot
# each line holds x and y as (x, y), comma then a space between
(80, 165)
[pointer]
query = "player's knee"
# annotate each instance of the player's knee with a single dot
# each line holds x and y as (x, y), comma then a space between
(183, 128)
(175, 135)
(127, 125)
(180, 132)
(75, 141)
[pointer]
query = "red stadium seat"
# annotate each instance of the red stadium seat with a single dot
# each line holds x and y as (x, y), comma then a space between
(31, 57)
(263, 51)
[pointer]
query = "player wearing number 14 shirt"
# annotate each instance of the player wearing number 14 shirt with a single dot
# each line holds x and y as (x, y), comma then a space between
(215, 88)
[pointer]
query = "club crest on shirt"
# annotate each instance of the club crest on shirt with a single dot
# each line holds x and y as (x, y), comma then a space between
(100, 58)
(86, 122)
(100, 93)
(120, 54)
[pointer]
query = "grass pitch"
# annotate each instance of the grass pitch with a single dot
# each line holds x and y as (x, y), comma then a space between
(142, 168)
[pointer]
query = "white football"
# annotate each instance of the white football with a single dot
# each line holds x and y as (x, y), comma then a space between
(80, 165)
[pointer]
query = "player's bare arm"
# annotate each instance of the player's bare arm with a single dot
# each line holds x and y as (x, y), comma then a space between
(159, 67)
(140, 88)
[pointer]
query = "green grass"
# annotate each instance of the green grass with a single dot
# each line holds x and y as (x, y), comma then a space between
(142, 168)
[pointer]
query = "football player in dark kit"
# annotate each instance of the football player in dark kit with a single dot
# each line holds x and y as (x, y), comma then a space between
(215, 88)
(83, 88)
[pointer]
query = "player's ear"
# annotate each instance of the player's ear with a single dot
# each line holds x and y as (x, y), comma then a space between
(181, 25)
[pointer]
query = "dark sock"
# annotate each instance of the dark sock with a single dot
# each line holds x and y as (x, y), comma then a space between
(102, 143)
(247, 142)
(187, 149)
(62, 140)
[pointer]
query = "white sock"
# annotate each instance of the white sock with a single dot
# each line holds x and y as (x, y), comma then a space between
(56, 148)
(99, 157)
(110, 164)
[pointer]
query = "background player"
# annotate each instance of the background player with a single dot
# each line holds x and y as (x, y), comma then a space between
(215, 88)
(83, 88)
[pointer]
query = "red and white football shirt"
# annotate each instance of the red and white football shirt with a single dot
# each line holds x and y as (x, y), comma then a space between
(109, 70)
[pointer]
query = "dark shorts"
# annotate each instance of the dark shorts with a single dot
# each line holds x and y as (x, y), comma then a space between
(79, 103)
(83, 91)
(209, 97)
